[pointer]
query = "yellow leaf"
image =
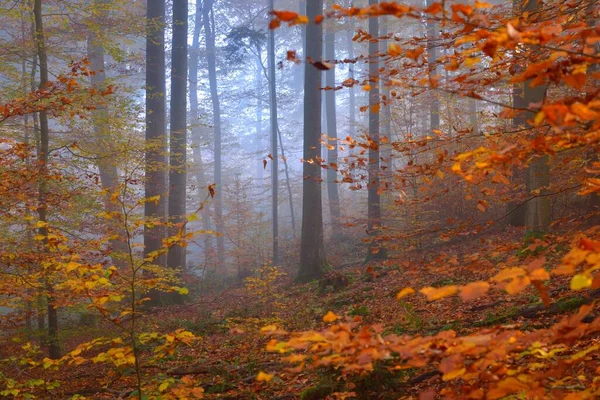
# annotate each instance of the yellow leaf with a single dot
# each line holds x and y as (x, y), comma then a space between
(330, 317)
(509, 273)
(440, 174)
(366, 88)
(539, 118)
(192, 217)
(580, 282)
(163, 386)
(268, 329)
(404, 292)
(264, 377)
(439, 293)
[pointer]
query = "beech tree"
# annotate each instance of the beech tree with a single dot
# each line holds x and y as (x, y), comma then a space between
(312, 248)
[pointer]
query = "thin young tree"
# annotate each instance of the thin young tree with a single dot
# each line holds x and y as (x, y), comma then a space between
(374, 222)
(176, 257)
(274, 132)
(209, 31)
(156, 141)
(312, 248)
(44, 148)
(331, 123)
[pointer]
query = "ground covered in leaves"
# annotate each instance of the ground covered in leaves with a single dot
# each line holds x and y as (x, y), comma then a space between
(231, 361)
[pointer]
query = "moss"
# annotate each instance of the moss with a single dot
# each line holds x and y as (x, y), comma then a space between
(218, 388)
(317, 392)
(570, 304)
(361, 310)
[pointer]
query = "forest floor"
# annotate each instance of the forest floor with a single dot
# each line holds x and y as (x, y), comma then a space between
(232, 351)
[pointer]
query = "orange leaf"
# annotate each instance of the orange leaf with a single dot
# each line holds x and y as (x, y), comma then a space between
(404, 292)
(330, 317)
(473, 290)
(285, 16)
(439, 293)
(517, 285)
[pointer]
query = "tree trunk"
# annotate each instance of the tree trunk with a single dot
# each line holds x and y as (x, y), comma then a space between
(194, 59)
(516, 209)
(434, 105)
(332, 153)
(274, 150)
(176, 257)
(106, 163)
(53, 343)
(538, 173)
(386, 115)
(156, 141)
(374, 222)
(312, 249)
(209, 30)
(259, 138)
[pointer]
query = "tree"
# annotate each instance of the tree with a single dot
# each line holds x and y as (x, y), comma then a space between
(331, 119)
(176, 257)
(537, 175)
(209, 31)
(42, 209)
(312, 248)
(201, 183)
(274, 132)
(156, 177)
(374, 221)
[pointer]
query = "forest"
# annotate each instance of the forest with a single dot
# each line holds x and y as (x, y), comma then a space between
(299, 199)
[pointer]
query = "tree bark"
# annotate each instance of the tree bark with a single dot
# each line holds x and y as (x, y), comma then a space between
(53, 342)
(176, 257)
(312, 249)
(106, 163)
(274, 150)
(375, 251)
(209, 30)
(156, 141)
(386, 116)
(332, 153)
(538, 173)
(434, 105)
(194, 59)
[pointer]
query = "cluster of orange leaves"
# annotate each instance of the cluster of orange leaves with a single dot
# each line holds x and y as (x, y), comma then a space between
(57, 95)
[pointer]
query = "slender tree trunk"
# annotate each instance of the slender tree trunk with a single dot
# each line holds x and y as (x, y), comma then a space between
(156, 140)
(434, 105)
(259, 108)
(53, 343)
(374, 222)
(194, 59)
(107, 165)
(176, 257)
(538, 173)
(332, 153)
(274, 150)
(386, 116)
(209, 29)
(312, 249)
(288, 184)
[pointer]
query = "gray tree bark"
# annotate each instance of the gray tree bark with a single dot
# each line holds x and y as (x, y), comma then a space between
(331, 123)
(209, 30)
(53, 342)
(156, 141)
(274, 132)
(176, 257)
(375, 251)
(312, 249)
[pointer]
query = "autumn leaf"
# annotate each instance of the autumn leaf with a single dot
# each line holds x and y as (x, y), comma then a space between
(473, 290)
(264, 377)
(330, 317)
(580, 281)
(439, 293)
(404, 292)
